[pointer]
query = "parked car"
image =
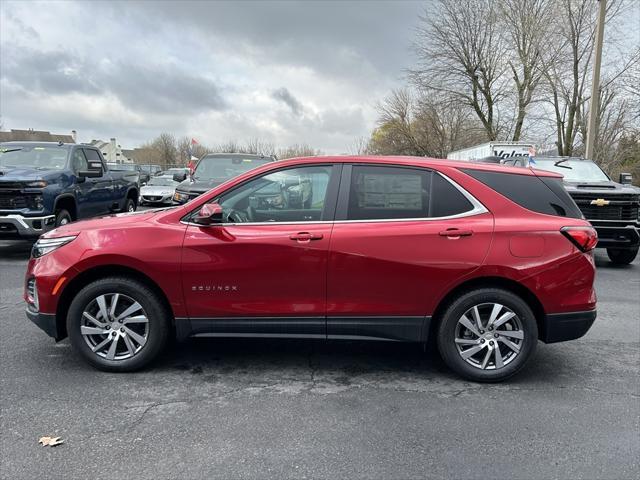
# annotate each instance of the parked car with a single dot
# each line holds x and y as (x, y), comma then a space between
(159, 190)
(143, 176)
(214, 169)
(179, 173)
(486, 258)
(151, 169)
(45, 185)
(613, 208)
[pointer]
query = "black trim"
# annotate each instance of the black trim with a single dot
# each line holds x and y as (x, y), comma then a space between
(299, 327)
(47, 322)
(404, 329)
(618, 237)
(560, 327)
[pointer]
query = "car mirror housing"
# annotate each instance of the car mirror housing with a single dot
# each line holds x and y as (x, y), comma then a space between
(626, 178)
(179, 177)
(209, 214)
(93, 171)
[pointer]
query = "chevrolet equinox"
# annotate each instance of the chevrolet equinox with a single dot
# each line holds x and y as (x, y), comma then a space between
(488, 259)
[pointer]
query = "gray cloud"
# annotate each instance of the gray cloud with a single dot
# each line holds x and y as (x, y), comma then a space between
(147, 88)
(285, 96)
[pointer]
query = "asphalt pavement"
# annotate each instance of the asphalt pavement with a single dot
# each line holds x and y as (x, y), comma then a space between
(307, 409)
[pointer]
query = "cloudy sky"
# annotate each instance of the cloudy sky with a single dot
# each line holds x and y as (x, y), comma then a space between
(283, 72)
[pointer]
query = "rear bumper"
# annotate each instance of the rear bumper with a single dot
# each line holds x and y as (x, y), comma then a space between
(618, 237)
(18, 226)
(47, 322)
(560, 327)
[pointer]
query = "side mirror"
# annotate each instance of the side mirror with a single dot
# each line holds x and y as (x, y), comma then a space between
(179, 177)
(209, 214)
(94, 171)
(626, 178)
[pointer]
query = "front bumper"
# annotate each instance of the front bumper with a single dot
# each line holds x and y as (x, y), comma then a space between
(618, 237)
(156, 198)
(47, 322)
(18, 226)
(560, 327)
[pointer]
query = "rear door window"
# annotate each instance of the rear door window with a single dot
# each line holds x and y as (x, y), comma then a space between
(396, 193)
(539, 194)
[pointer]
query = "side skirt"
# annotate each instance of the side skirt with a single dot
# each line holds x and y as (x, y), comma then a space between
(402, 329)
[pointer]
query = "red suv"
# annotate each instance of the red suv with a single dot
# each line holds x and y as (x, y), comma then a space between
(487, 258)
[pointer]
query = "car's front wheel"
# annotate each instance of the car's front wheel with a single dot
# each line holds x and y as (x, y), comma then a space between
(118, 324)
(622, 256)
(487, 335)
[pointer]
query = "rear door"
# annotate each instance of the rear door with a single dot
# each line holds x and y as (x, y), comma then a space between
(401, 237)
(264, 270)
(102, 188)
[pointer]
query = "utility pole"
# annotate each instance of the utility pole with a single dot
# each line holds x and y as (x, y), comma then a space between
(595, 84)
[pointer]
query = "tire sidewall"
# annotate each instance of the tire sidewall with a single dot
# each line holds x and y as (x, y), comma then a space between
(153, 307)
(129, 203)
(622, 257)
(62, 214)
(446, 334)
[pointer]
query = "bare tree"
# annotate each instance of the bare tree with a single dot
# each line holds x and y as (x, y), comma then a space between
(461, 54)
(298, 150)
(527, 24)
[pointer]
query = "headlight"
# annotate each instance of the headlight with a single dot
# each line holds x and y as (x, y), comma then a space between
(181, 197)
(38, 184)
(48, 245)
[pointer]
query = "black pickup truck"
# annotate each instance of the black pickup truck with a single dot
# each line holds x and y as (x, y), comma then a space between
(613, 208)
(46, 184)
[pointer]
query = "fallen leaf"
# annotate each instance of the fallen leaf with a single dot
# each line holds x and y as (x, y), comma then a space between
(50, 441)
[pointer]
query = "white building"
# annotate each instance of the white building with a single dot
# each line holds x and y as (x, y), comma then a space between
(111, 151)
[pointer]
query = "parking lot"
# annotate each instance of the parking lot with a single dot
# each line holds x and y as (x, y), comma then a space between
(275, 409)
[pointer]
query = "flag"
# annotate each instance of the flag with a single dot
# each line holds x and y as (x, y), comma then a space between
(193, 142)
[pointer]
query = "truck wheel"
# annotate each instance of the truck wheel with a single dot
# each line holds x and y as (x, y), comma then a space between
(130, 205)
(487, 335)
(118, 324)
(622, 257)
(62, 218)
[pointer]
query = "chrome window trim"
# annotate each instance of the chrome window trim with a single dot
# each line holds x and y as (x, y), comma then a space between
(478, 209)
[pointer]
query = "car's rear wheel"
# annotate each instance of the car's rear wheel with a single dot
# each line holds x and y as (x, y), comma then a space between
(118, 324)
(487, 335)
(622, 256)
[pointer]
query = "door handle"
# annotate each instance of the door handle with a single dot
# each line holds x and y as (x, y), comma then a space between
(455, 233)
(304, 237)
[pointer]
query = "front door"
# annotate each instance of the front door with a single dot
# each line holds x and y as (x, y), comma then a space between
(83, 187)
(263, 271)
(401, 237)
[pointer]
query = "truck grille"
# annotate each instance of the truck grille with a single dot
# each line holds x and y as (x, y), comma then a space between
(12, 200)
(621, 207)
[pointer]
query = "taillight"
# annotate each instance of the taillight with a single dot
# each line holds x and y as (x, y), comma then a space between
(585, 238)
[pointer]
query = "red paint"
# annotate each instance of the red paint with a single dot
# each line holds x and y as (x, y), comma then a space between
(334, 269)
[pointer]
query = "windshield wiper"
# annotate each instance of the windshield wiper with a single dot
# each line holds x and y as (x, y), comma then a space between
(10, 150)
(562, 160)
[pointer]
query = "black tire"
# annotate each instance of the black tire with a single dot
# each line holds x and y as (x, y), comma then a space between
(158, 315)
(129, 205)
(447, 334)
(622, 256)
(63, 217)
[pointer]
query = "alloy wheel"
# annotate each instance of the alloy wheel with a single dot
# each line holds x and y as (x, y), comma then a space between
(115, 326)
(489, 336)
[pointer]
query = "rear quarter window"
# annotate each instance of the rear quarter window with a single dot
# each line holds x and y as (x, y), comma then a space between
(539, 194)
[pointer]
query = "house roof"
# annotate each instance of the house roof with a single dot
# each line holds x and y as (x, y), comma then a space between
(34, 136)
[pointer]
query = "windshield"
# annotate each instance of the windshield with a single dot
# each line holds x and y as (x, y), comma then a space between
(162, 181)
(130, 167)
(41, 158)
(226, 167)
(579, 171)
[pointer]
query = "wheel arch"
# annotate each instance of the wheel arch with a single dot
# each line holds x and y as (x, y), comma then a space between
(68, 202)
(96, 273)
(490, 282)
